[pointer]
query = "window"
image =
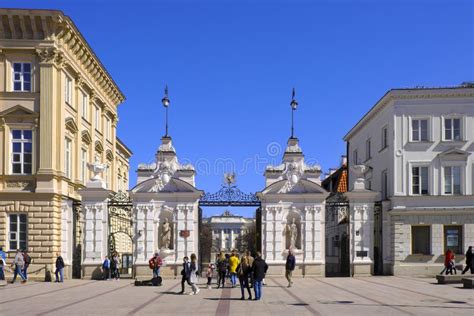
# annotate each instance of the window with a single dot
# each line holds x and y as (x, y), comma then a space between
(107, 128)
(84, 105)
(419, 130)
(97, 118)
(452, 180)
(83, 165)
(355, 159)
(420, 240)
(384, 137)
(68, 158)
(452, 129)
(384, 185)
(68, 90)
(22, 77)
(453, 239)
(17, 234)
(367, 149)
(419, 180)
(22, 151)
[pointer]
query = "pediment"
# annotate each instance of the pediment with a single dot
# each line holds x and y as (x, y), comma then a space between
(98, 147)
(454, 154)
(109, 155)
(86, 137)
(71, 125)
(303, 186)
(173, 186)
(18, 111)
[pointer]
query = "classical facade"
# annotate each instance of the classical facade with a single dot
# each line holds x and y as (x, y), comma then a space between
(417, 145)
(58, 113)
(227, 229)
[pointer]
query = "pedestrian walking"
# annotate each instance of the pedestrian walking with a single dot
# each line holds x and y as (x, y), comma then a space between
(250, 259)
(289, 267)
(221, 270)
(116, 264)
(27, 260)
(155, 264)
(59, 268)
(106, 268)
(19, 265)
(244, 270)
(193, 278)
(185, 273)
(233, 263)
(259, 268)
(469, 263)
(3, 263)
(209, 274)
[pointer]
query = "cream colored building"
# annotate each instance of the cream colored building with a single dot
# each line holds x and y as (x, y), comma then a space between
(58, 112)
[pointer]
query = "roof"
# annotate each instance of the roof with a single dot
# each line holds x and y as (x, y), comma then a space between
(124, 147)
(465, 89)
(339, 180)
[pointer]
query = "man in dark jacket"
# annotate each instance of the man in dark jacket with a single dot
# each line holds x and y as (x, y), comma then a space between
(259, 268)
(469, 263)
(185, 274)
(27, 260)
(289, 267)
(59, 268)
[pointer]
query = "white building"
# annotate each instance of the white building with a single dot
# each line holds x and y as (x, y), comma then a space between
(227, 229)
(418, 145)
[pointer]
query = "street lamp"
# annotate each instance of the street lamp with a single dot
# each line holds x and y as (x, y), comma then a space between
(166, 103)
(294, 105)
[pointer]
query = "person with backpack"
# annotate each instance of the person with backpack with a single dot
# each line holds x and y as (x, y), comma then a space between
(244, 270)
(259, 270)
(27, 260)
(19, 264)
(106, 268)
(155, 264)
(59, 269)
(221, 270)
(289, 267)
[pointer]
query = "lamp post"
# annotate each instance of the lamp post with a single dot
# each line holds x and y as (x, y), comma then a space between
(294, 105)
(166, 103)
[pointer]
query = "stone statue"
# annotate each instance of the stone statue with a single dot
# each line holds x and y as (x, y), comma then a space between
(292, 231)
(166, 234)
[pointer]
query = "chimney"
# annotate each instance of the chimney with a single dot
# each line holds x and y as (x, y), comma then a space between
(343, 160)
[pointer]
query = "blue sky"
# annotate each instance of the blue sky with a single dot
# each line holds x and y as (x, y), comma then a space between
(230, 67)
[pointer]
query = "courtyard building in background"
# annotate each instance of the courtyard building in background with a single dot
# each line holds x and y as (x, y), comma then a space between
(418, 147)
(58, 113)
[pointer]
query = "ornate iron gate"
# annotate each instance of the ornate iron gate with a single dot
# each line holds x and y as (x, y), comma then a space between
(337, 236)
(120, 239)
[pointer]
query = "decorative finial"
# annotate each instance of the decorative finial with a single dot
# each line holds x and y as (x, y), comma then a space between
(166, 103)
(294, 105)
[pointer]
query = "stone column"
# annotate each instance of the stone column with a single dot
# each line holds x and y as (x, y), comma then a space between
(231, 239)
(222, 239)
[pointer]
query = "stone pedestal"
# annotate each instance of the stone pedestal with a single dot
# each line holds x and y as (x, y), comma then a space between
(95, 212)
(361, 221)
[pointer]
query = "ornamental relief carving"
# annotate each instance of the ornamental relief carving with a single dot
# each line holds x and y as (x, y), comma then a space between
(19, 185)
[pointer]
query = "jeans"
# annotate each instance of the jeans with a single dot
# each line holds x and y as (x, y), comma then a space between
(233, 278)
(288, 274)
(183, 280)
(60, 277)
(244, 284)
(18, 271)
(221, 279)
(106, 273)
(25, 272)
(156, 272)
(257, 286)
(2, 273)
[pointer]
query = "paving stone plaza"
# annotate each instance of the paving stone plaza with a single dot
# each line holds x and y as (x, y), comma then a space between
(387, 295)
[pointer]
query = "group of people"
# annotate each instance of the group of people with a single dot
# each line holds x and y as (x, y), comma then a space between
(111, 267)
(249, 271)
(450, 264)
(20, 265)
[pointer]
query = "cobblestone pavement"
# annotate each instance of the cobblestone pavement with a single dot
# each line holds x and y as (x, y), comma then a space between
(308, 296)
